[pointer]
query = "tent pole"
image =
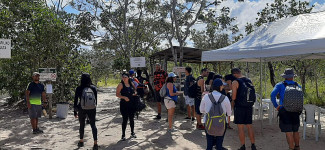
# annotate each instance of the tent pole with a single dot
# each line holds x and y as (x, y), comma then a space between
(261, 95)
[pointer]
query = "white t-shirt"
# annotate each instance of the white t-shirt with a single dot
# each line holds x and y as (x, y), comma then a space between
(206, 104)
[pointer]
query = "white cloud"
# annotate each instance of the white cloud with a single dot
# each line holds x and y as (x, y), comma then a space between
(319, 7)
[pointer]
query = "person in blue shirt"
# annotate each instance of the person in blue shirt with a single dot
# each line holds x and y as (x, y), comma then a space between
(289, 122)
(171, 99)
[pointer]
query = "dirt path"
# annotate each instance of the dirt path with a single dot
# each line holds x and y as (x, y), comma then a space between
(15, 132)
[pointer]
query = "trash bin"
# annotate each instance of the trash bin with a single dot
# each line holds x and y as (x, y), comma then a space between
(62, 110)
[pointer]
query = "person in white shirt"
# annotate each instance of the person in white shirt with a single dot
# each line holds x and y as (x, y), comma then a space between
(205, 107)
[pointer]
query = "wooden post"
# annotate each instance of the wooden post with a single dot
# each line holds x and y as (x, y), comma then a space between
(50, 102)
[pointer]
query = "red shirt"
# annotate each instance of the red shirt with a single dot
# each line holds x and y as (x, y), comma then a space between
(159, 79)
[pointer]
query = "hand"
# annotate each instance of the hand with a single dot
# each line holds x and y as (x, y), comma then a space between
(29, 106)
(126, 99)
(44, 104)
(278, 107)
(135, 94)
(76, 116)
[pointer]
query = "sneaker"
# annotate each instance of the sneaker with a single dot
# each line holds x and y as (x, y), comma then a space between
(171, 130)
(39, 130)
(35, 131)
(297, 148)
(158, 117)
(123, 138)
(242, 148)
(200, 127)
(253, 147)
(187, 118)
(133, 135)
(193, 118)
(223, 148)
(95, 147)
(80, 144)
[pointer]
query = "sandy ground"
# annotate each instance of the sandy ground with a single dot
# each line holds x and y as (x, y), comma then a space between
(15, 131)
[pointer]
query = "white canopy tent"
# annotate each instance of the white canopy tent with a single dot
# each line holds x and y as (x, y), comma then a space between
(299, 37)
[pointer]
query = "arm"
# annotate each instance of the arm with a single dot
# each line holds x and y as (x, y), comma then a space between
(228, 106)
(234, 88)
(135, 89)
(202, 105)
(201, 84)
(170, 89)
(27, 99)
(118, 92)
(273, 96)
(44, 97)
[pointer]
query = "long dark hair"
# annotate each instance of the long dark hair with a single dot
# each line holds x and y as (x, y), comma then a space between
(210, 77)
(170, 80)
(85, 80)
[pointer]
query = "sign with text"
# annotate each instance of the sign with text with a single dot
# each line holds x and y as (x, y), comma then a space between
(5, 48)
(138, 62)
(178, 69)
(47, 74)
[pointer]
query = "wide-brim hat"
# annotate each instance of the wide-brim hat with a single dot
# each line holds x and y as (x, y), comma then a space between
(288, 73)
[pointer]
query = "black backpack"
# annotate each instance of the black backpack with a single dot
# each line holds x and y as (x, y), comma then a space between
(246, 96)
(192, 89)
(293, 98)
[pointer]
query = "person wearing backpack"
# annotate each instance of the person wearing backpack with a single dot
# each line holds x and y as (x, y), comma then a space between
(216, 106)
(85, 103)
(171, 99)
(243, 95)
(189, 81)
(289, 122)
(199, 92)
(125, 91)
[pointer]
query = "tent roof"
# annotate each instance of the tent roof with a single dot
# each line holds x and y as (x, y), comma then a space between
(299, 37)
(191, 55)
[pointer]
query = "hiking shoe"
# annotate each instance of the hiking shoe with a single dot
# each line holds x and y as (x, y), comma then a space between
(123, 138)
(133, 135)
(297, 148)
(253, 147)
(35, 131)
(242, 148)
(95, 147)
(200, 127)
(193, 118)
(39, 130)
(223, 148)
(171, 130)
(158, 117)
(187, 118)
(80, 144)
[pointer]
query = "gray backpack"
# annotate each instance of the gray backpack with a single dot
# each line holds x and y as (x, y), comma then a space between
(293, 98)
(88, 99)
(163, 91)
(215, 123)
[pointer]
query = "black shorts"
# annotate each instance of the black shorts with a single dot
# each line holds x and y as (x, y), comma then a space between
(158, 98)
(197, 103)
(243, 115)
(288, 121)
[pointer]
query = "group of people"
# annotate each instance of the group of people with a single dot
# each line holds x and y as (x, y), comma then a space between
(200, 95)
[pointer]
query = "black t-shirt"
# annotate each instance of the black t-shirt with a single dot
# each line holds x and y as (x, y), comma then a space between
(35, 95)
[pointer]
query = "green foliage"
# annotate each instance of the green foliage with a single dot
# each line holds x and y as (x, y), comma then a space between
(40, 39)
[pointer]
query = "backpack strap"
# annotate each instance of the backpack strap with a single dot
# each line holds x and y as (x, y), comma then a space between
(286, 84)
(222, 97)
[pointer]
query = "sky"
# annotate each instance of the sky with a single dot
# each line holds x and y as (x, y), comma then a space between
(245, 12)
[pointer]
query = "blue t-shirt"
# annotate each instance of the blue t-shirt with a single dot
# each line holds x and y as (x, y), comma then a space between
(174, 91)
(280, 88)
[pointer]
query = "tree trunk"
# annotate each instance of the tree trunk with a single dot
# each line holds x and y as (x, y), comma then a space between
(181, 54)
(272, 80)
